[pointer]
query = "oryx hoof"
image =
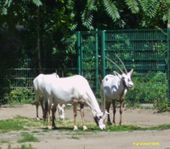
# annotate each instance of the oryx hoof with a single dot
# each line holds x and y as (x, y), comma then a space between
(84, 127)
(50, 127)
(37, 118)
(75, 128)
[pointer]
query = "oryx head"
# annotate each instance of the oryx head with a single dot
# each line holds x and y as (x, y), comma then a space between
(127, 81)
(99, 118)
(125, 76)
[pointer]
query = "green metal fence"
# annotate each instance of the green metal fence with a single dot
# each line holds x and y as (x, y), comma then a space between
(168, 40)
(88, 60)
(143, 50)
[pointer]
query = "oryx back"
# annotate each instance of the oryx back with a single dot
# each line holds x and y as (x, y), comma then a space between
(113, 86)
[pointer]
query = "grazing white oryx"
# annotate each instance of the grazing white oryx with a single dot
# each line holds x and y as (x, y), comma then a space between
(74, 89)
(114, 87)
(39, 84)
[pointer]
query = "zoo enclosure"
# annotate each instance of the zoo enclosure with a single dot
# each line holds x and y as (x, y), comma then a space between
(143, 50)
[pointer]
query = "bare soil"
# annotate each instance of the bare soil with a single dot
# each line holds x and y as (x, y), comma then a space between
(101, 140)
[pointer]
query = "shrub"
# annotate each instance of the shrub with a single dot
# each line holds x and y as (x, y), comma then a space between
(20, 95)
(161, 105)
(149, 88)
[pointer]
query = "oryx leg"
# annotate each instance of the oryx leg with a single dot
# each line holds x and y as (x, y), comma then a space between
(36, 102)
(37, 115)
(53, 109)
(42, 107)
(75, 114)
(114, 111)
(121, 111)
(49, 109)
(82, 115)
(45, 107)
(108, 103)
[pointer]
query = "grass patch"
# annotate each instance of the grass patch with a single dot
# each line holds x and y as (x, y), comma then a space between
(133, 128)
(11, 124)
(124, 128)
(159, 127)
(23, 146)
(18, 123)
(27, 137)
(22, 123)
(4, 141)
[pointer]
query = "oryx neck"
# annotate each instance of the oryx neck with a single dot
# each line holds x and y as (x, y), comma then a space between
(94, 107)
(124, 84)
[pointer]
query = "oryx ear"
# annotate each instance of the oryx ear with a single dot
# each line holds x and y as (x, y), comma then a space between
(130, 72)
(58, 106)
(63, 106)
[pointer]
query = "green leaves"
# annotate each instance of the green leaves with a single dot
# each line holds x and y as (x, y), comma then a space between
(153, 12)
(133, 5)
(37, 2)
(4, 5)
(87, 16)
(149, 7)
(111, 9)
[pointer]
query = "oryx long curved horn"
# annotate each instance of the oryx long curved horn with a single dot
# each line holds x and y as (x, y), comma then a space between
(122, 63)
(114, 64)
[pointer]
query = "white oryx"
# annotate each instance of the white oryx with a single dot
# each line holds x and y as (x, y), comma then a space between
(114, 87)
(39, 84)
(74, 89)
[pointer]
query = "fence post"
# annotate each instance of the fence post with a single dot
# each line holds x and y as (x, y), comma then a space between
(79, 52)
(168, 40)
(103, 39)
(97, 60)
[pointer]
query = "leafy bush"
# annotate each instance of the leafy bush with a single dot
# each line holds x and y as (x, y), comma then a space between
(149, 88)
(20, 95)
(161, 105)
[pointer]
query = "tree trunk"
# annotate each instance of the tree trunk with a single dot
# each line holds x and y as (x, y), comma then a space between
(38, 43)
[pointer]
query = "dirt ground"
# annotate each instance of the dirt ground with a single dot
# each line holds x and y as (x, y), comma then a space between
(102, 140)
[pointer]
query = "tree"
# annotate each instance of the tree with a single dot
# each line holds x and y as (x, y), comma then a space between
(45, 30)
(127, 13)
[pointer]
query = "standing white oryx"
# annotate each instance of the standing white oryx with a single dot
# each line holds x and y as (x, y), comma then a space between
(39, 84)
(74, 89)
(114, 87)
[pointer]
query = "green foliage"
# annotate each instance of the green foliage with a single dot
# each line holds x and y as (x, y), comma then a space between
(37, 2)
(20, 95)
(53, 23)
(10, 51)
(161, 105)
(111, 9)
(87, 16)
(133, 5)
(150, 10)
(149, 88)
